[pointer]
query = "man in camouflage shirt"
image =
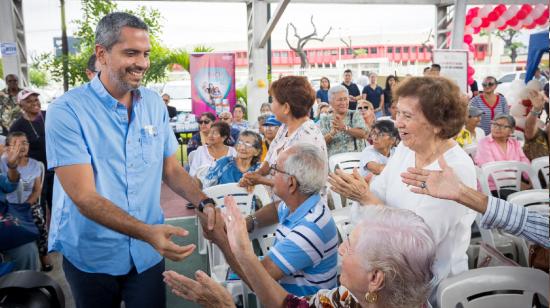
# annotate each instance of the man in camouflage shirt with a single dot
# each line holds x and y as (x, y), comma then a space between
(9, 109)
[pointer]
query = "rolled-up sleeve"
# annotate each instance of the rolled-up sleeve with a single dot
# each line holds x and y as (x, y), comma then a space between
(65, 143)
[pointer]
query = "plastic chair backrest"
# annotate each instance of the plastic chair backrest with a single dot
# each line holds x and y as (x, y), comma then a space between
(541, 164)
(476, 288)
(534, 199)
(471, 150)
(241, 195)
(345, 161)
(265, 236)
(22, 285)
(508, 174)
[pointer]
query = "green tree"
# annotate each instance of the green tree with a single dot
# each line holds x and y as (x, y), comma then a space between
(511, 46)
(162, 58)
(38, 78)
(1, 69)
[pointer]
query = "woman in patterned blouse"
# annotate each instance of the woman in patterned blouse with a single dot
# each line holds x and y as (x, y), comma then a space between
(386, 262)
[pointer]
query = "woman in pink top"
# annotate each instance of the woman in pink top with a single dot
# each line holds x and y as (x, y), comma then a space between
(500, 146)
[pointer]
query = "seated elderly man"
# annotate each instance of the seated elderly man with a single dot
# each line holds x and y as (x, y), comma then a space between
(386, 262)
(304, 256)
(344, 130)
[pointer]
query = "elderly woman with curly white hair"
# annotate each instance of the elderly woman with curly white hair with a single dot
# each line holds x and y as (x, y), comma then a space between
(386, 262)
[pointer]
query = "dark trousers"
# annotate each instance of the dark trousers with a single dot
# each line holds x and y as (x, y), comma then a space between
(107, 291)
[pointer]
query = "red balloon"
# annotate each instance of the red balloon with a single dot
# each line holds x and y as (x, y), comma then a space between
(526, 8)
(468, 39)
(474, 11)
(521, 15)
(470, 80)
(477, 30)
(468, 19)
(531, 26)
(541, 20)
(485, 22)
(501, 8)
(493, 16)
(471, 71)
(471, 48)
(512, 22)
(502, 28)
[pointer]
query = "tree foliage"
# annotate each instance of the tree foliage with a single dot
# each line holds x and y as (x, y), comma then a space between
(511, 45)
(161, 58)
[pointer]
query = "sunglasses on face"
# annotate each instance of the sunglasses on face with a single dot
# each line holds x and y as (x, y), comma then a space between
(488, 84)
(204, 122)
(225, 118)
(363, 108)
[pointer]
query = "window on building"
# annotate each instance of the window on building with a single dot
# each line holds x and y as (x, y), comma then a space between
(373, 50)
(276, 54)
(406, 49)
(284, 54)
(389, 50)
(421, 49)
(414, 49)
(397, 49)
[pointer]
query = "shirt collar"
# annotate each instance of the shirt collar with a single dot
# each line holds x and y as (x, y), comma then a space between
(303, 209)
(106, 98)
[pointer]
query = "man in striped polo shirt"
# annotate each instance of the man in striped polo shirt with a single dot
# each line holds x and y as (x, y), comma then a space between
(304, 256)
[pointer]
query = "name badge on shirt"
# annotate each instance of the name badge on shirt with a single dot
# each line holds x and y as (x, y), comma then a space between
(149, 130)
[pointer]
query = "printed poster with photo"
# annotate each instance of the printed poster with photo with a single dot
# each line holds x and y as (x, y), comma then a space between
(212, 82)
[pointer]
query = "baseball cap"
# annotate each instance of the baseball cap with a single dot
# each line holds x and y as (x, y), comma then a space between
(23, 94)
(272, 121)
(473, 111)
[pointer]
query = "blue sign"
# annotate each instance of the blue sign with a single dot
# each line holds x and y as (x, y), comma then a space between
(8, 49)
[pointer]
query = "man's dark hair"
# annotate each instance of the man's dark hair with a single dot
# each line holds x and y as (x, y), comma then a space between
(243, 109)
(348, 71)
(436, 66)
(108, 29)
(427, 68)
(91, 63)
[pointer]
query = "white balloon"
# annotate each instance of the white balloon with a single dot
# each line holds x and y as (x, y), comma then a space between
(500, 22)
(517, 27)
(485, 10)
(476, 22)
(492, 26)
(470, 56)
(528, 20)
(468, 30)
(538, 10)
(514, 9)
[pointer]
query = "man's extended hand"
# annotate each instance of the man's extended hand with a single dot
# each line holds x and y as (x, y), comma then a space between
(443, 184)
(159, 236)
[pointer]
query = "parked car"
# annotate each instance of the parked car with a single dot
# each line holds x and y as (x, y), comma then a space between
(505, 81)
(180, 94)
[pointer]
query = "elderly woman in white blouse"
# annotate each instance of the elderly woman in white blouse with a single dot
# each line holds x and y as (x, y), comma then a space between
(431, 111)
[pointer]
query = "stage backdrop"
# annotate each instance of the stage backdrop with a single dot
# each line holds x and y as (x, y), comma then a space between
(212, 82)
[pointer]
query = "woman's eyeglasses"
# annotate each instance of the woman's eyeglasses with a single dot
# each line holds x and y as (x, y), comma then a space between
(500, 126)
(204, 122)
(488, 84)
(375, 134)
(245, 144)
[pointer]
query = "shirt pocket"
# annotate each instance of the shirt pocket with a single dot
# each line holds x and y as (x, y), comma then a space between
(151, 144)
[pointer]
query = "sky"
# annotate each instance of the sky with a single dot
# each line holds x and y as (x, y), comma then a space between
(196, 23)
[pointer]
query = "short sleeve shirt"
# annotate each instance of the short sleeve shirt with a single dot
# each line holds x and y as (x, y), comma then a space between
(370, 154)
(322, 95)
(354, 91)
(373, 95)
(27, 177)
(87, 126)
(342, 141)
(306, 247)
(489, 113)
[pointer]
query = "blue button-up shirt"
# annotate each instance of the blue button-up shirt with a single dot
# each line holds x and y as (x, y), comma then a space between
(88, 126)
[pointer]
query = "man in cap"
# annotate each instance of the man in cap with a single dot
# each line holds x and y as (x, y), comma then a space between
(9, 109)
(271, 127)
(471, 133)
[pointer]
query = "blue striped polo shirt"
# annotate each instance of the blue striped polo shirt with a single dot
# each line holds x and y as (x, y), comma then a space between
(489, 113)
(306, 248)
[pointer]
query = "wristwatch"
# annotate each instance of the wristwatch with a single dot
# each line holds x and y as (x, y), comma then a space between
(204, 203)
(536, 113)
(254, 221)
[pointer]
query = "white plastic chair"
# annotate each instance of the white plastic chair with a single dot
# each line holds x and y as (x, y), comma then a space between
(345, 161)
(476, 288)
(541, 164)
(507, 175)
(520, 136)
(471, 149)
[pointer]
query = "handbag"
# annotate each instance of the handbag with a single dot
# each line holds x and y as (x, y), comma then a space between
(539, 257)
(489, 256)
(17, 225)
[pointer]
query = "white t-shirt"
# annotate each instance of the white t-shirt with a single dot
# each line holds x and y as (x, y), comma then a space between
(369, 154)
(203, 159)
(27, 176)
(480, 133)
(449, 221)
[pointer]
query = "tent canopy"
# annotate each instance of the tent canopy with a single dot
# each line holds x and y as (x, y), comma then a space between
(538, 45)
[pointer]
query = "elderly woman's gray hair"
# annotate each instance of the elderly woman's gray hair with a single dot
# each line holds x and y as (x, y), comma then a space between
(400, 244)
(510, 119)
(307, 164)
(108, 29)
(335, 90)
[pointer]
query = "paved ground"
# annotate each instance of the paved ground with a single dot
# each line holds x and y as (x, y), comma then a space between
(175, 210)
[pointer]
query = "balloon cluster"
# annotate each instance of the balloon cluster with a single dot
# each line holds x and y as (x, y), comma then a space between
(501, 17)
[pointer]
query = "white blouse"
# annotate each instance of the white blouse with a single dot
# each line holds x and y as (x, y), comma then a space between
(449, 221)
(202, 158)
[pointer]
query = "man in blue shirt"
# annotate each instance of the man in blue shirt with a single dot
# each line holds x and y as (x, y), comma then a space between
(111, 145)
(375, 94)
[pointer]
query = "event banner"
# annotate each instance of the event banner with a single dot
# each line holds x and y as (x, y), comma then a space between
(212, 82)
(454, 65)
